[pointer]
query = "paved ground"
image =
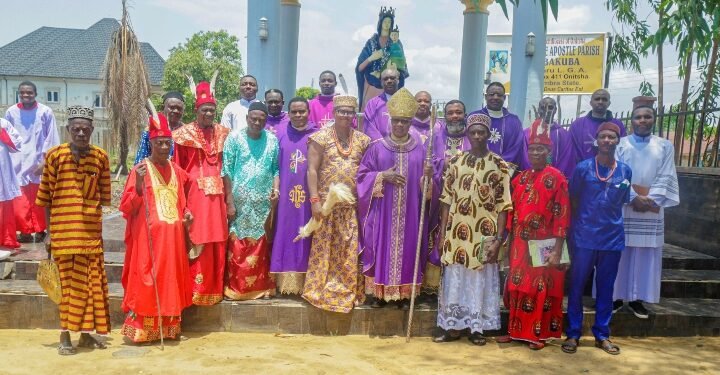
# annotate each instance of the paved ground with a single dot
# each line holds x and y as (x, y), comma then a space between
(33, 352)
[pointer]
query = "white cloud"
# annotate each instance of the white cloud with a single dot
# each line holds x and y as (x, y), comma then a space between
(571, 19)
(363, 33)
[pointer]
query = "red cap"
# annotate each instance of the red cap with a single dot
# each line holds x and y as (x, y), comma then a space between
(540, 134)
(159, 128)
(608, 126)
(203, 94)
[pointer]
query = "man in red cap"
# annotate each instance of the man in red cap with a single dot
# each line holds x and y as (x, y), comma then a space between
(154, 206)
(539, 223)
(599, 188)
(198, 150)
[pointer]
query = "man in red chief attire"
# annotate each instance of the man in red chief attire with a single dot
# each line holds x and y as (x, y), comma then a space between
(198, 150)
(154, 201)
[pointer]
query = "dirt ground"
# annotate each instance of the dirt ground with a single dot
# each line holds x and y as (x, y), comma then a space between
(34, 352)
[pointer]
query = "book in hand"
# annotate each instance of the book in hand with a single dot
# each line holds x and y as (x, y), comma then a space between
(540, 251)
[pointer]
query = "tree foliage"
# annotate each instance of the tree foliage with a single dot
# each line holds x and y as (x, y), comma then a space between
(307, 92)
(200, 55)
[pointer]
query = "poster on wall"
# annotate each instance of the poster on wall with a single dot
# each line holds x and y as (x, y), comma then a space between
(574, 63)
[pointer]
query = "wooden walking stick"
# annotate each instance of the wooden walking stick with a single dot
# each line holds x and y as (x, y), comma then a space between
(426, 183)
(152, 258)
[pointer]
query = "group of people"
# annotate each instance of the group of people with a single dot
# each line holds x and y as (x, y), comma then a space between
(221, 210)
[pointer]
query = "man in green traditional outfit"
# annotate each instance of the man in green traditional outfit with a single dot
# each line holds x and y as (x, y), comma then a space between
(251, 181)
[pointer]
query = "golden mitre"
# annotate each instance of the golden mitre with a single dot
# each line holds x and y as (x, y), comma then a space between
(402, 104)
(345, 101)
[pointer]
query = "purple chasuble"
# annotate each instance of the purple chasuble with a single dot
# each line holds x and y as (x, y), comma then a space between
(275, 122)
(321, 110)
(506, 137)
(445, 146)
(562, 153)
(389, 214)
(376, 123)
(293, 209)
(583, 131)
(421, 128)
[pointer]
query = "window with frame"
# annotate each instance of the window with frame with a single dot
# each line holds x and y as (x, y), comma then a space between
(53, 96)
(99, 101)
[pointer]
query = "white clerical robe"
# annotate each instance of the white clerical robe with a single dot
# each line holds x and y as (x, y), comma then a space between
(652, 162)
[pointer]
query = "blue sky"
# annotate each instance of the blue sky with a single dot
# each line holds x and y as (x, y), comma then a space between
(332, 34)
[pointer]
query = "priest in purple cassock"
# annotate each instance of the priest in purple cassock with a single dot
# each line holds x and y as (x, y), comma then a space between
(322, 107)
(389, 198)
(506, 130)
(583, 129)
(276, 118)
(289, 260)
(448, 140)
(562, 155)
(376, 122)
(421, 122)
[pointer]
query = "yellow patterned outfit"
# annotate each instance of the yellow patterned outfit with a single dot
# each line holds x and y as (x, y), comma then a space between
(334, 281)
(477, 191)
(74, 192)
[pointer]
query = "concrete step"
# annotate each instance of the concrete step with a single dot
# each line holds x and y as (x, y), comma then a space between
(675, 257)
(26, 265)
(25, 306)
(690, 284)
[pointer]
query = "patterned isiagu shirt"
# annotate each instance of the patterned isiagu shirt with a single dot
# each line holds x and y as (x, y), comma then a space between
(251, 165)
(477, 191)
(75, 192)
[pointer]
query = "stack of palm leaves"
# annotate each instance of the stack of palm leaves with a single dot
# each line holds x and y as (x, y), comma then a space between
(127, 88)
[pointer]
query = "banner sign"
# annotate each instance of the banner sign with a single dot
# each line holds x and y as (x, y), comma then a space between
(574, 63)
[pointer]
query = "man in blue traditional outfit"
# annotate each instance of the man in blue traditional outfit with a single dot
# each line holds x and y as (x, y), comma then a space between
(599, 188)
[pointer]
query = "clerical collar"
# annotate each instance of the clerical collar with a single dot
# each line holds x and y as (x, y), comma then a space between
(640, 139)
(608, 115)
(387, 96)
(246, 103)
(495, 114)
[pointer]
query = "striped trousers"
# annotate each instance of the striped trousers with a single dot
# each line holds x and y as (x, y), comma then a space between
(84, 304)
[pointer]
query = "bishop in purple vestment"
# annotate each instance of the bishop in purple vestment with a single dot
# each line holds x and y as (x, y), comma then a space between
(276, 117)
(562, 152)
(390, 193)
(583, 129)
(376, 122)
(289, 260)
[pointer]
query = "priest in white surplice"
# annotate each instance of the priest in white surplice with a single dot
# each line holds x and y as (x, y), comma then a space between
(655, 187)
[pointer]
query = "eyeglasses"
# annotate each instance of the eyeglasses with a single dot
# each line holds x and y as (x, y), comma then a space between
(345, 113)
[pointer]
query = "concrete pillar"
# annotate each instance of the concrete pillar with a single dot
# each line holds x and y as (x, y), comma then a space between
(289, 33)
(527, 73)
(474, 45)
(263, 55)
